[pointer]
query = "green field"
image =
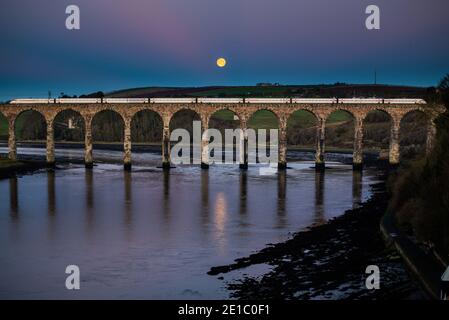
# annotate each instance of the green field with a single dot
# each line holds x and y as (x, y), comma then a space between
(339, 116)
(19, 124)
(224, 115)
(340, 90)
(3, 128)
(265, 119)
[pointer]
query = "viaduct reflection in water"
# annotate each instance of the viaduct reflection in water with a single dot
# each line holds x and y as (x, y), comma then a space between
(14, 198)
(218, 208)
(163, 230)
(319, 198)
(89, 207)
(128, 209)
(357, 179)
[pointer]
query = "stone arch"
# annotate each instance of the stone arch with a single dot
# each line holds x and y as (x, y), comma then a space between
(183, 117)
(26, 127)
(265, 118)
(149, 119)
(107, 108)
(224, 114)
(263, 110)
(31, 108)
(135, 110)
(108, 126)
(377, 125)
(416, 111)
(239, 111)
(340, 108)
(382, 109)
(301, 127)
(4, 127)
(309, 109)
(65, 120)
(222, 119)
(339, 130)
(413, 133)
(263, 123)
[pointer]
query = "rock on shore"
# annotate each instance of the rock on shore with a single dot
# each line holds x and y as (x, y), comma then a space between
(329, 261)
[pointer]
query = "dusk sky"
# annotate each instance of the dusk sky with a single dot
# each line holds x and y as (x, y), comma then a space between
(137, 43)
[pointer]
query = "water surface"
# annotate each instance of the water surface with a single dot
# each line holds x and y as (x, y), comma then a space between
(148, 234)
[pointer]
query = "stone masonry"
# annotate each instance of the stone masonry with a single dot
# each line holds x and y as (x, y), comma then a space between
(205, 110)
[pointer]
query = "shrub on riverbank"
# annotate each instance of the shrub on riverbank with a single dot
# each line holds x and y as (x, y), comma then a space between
(421, 192)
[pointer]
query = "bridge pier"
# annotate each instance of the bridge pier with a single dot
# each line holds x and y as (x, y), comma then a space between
(50, 144)
(282, 162)
(88, 158)
(166, 147)
(357, 157)
(320, 139)
(127, 145)
(12, 146)
(394, 155)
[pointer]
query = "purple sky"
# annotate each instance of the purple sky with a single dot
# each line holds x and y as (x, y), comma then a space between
(137, 43)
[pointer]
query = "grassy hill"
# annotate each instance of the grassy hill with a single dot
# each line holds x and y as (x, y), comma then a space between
(304, 91)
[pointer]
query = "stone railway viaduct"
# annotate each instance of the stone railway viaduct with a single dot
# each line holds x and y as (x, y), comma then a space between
(205, 108)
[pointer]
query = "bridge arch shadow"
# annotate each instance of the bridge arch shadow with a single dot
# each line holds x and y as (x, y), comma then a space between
(146, 134)
(222, 120)
(339, 133)
(30, 126)
(184, 119)
(301, 134)
(413, 134)
(69, 128)
(108, 132)
(4, 127)
(377, 133)
(263, 119)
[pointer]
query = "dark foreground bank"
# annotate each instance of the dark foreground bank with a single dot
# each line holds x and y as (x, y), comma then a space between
(9, 168)
(329, 261)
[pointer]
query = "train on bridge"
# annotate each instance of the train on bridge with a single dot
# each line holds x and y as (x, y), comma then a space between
(219, 100)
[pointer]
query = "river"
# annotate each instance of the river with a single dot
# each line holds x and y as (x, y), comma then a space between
(147, 234)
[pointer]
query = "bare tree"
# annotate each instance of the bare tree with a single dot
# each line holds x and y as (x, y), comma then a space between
(443, 88)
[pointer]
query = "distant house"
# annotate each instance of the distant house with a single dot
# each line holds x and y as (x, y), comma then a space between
(268, 84)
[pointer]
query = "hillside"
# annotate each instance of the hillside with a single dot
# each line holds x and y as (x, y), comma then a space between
(340, 90)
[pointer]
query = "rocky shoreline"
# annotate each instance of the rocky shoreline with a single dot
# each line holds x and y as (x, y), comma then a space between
(9, 168)
(329, 261)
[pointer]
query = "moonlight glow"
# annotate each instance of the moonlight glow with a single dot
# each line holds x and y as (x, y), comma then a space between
(221, 62)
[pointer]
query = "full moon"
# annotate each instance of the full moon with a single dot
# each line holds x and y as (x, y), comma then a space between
(221, 62)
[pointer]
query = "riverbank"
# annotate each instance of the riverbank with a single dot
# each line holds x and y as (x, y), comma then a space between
(329, 261)
(423, 263)
(116, 146)
(10, 168)
(154, 146)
